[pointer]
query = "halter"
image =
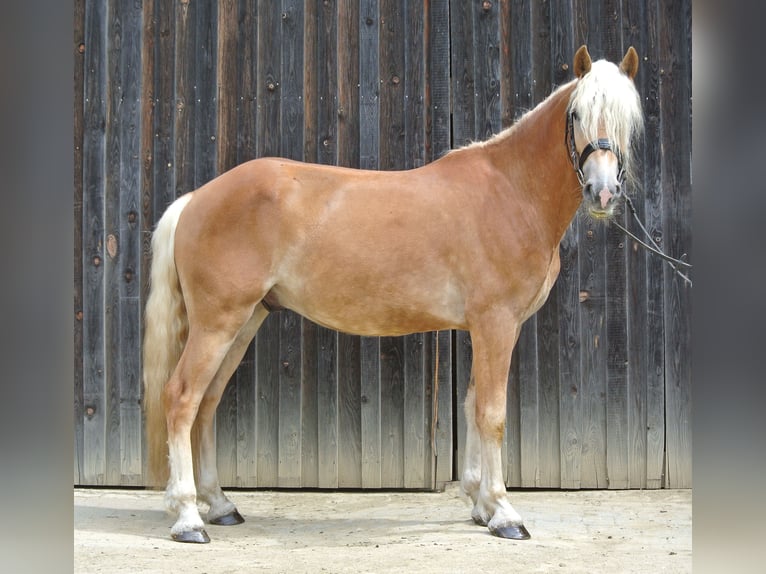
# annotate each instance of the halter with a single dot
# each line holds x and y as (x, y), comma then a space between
(578, 160)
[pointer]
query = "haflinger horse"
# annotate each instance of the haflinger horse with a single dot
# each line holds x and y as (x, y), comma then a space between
(469, 241)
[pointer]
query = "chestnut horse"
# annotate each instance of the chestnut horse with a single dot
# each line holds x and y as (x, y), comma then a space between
(469, 241)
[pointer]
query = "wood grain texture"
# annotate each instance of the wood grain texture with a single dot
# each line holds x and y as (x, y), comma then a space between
(169, 94)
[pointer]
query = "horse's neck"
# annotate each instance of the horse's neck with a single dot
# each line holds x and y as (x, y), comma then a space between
(533, 156)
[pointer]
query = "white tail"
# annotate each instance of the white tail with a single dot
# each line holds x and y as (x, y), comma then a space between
(165, 332)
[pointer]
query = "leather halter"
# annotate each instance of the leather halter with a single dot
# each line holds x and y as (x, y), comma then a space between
(578, 160)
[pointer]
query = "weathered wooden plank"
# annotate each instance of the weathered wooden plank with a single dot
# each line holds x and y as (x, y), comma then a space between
(462, 64)
(290, 324)
(165, 106)
(94, 150)
(77, 303)
(633, 33)
(486, 47)
(414, 81)
(247, 54)
(348, 154)
(592, 279)
(437, 79)
(321, 55)
(369, 88)
(675, 86)
(246, 438)
(447, 406)
(328, 407)
(224, 106)
(227, 80)
(267, 339)
(185, 56)
(566, 290)
(205, 92)
(369, 155)
(548, 316)
(349, 82)
(115, 115)
(370, 375)
(463, 132)
(655, 310)
(129, 247)
(415, 414)
(145, 215)
(417, 379)
(392, 73)
(392, 368)
(349, 411)
(437, 69)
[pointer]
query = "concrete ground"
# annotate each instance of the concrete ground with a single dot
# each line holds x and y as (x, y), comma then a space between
(612, 532)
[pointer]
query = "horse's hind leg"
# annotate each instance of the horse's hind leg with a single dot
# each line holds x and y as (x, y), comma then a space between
(222, 510)
(205, 350)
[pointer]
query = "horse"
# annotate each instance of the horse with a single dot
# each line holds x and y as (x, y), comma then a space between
(469, 241)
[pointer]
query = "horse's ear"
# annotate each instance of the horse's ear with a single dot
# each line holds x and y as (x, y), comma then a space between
(582, 62)
(629, 65)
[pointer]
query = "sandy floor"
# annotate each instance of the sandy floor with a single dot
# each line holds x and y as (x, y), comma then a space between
(584, 531)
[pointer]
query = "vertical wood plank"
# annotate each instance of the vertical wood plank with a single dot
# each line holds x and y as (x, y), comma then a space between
(78, 183)
(393, 80)
(416, 409)
(369, 154)
(370, 376)
(655, 311)
(225, 107)
(148, 104)
(290, 324)
(634, 33)
(247, 400)
(461, 56)
(267, 339)
(566, 291)
(348, 154)
(675, 96)
(166, 107)
(463, 129)
(94, 157)
(115, 114)
(185, 57)
(129, 248)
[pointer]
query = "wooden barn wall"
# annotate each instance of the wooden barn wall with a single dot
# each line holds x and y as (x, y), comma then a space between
(170, 93)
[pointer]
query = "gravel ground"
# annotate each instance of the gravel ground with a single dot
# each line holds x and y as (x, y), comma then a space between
(612, 532)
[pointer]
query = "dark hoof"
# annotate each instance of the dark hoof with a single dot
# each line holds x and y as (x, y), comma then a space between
(479, 521)
(196, 536)
(511, 532)
(230, 519)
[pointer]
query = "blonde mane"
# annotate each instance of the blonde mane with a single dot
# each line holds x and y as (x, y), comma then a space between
(607, 99)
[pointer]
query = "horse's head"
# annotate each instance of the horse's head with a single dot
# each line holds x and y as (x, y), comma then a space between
(603, 118)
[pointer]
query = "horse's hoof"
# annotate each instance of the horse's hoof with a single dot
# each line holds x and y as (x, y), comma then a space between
(479, 520)
(195, 536)
(511, 532)
(229, 519)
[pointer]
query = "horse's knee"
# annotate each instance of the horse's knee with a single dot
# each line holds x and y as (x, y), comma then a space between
(491, 424)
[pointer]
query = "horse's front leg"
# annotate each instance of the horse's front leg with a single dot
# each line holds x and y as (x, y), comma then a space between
(493, 341)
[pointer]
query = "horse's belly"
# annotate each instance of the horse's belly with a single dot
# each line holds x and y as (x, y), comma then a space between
(375, 312)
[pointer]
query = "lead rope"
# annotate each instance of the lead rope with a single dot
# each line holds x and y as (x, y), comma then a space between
(654, 248)
(434, 413)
